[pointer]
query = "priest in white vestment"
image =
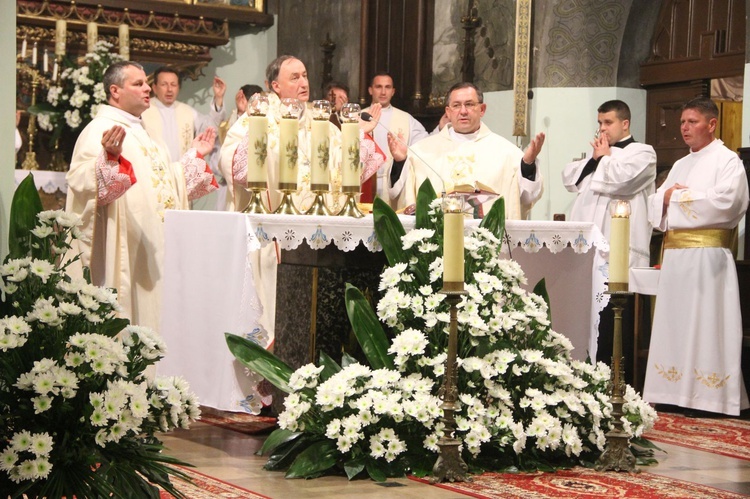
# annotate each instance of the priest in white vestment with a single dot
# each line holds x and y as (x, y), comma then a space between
(696, 342)
(619, 168)
(121, 181)
(466, 151)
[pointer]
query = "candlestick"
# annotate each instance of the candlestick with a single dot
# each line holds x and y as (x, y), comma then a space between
(45, 62)
(23, 49)
(92, 35)
(33, 54)
(453, 243)
(619, 244)
(61, 33)
(320, 149)
(350, 163)
(124, 38)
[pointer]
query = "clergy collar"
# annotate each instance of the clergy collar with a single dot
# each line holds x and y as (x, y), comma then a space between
(463, 137)
(161, 105)
(624, 142)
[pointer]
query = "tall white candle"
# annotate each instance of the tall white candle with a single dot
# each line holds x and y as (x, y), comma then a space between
(92, 35)
(619, 242)
(33, 54)
(45, 62)
(288, 152)
(23, 49)
(61, 34)
(320, 153)
(350, 164)
(124, 38)
(55, 69)
(453, 249)
(257, 146)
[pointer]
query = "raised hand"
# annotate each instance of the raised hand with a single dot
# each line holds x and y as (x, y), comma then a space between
(397, 146)
(534, 148)
(368, 126)
(220, 88)
(112, 140)
(204, 142)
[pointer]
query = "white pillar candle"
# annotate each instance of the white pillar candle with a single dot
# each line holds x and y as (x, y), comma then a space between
(453, 248)
(320, 153)
(55, 69)
(124, 38)
(33, 54)
(257, 144)
(23, 49)
(92, 35)
(61, 34)
(288, 152)
(45, 61)
(350, 164)
(619, 244)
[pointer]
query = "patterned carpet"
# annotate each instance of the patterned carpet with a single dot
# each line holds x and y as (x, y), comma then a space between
(725, 436)
(205, 487)
(238, 421)
(582, 483)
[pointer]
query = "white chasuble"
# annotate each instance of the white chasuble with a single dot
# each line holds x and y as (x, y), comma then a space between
(696, 341)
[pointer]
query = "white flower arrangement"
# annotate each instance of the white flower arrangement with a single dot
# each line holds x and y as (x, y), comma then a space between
(78, 415)
(524, 402)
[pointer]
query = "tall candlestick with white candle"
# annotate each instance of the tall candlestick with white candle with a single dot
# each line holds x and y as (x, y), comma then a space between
(320, 142)
(124, 39)
(257, 142)
(61, 35)
(92, 35)
(350, 163)
(619, 244)
(453, 243)
(289, 143)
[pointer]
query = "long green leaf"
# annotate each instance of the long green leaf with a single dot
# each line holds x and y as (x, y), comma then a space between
(494, 220)
(285, 453)
(541, 290)
(276, 438)
(330, 366)
(354, 467)
(375, 470)
(389, 231)
(368, 329)
(261, 361)
(314, 460)
(425, 196)
(24, 208)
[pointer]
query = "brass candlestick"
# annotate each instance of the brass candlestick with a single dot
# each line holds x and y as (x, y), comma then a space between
(319, 206)
(286, 207)
(350, 208)
(256, 205)
(450, 466)
(617, 455)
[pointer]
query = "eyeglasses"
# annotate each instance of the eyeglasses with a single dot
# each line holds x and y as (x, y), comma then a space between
(470, 106)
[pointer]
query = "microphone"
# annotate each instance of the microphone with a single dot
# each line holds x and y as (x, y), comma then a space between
(368, 117)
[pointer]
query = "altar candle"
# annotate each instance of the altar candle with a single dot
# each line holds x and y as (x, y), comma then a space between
(54, 71)
(45, 62)
(320, 151)
(288, 151)
(257, 144)
(33, 55)
(453, 247)
(619, 242)
(23, 49)
(124, 38)
(92, 35)
(350, 164)
(61, 34)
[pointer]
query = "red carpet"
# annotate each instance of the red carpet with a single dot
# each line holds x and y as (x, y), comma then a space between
(725, 436)
(205, 487)
(582, 483)
(238, 421)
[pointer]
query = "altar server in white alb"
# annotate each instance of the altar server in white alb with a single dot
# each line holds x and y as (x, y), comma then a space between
(696, 343)
(121, 182)
(466, 151)
(619, 168)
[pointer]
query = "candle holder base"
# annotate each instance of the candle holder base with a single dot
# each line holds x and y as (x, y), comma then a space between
(350, 208)
(286, 207)
(29, 162)
(319, 205)
(256, 205)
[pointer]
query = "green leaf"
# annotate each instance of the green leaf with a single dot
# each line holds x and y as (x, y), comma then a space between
(330, 366)
(317, 458)
(347, 360)
(276, 438)
(24, 208)
(494, 220)
(425, 196)
(375, 470)
(368, 329)
(260, 360)
(541, 290)
(389, 231)
(645, 443)
(354, 467)
(287, 452)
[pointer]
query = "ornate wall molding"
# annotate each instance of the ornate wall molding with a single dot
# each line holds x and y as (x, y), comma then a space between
(521, 70)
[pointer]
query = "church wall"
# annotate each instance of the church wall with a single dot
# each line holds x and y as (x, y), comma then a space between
(243, 60)
(8, 120)
(568, 118)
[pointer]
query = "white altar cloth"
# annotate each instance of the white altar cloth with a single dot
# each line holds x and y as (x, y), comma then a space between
(48, 181)
(208, 285)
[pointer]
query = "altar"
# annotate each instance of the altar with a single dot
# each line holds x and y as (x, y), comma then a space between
(208, 285)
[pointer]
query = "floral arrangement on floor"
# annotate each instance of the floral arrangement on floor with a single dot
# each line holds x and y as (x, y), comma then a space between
(73, 103)
(524, 403)
(78, 416)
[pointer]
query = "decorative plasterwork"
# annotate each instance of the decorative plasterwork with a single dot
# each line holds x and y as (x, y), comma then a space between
(521, 71)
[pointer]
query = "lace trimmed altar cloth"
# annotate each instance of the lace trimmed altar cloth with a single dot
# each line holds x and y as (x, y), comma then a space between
(208, 285)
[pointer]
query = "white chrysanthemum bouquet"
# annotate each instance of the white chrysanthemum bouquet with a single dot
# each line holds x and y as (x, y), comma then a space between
(78, 416)
(524, 403)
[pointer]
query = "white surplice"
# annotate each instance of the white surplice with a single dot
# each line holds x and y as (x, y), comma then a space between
(626, 173)
(696, 341)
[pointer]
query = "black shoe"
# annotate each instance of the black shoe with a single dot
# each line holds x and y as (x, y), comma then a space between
(698, 414)
(672, 409)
